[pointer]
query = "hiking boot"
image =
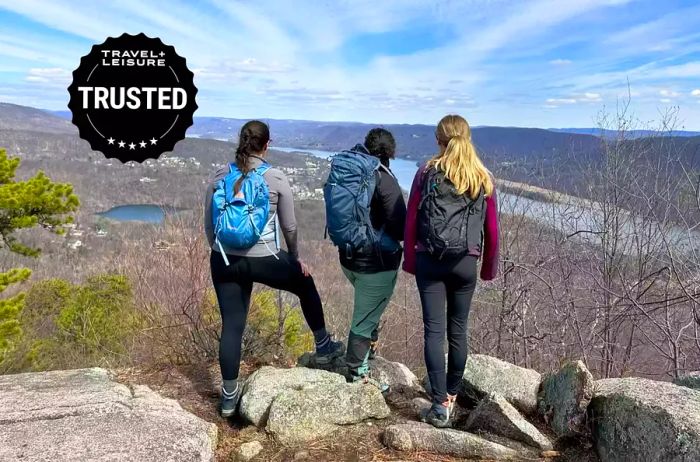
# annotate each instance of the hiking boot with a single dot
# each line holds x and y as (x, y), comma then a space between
(229, 402)
(438, 415)
(373, 349)
(383, 387)
(331, 350)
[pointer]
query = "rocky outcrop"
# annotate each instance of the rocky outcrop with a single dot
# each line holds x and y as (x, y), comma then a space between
(300, 404)
(638, 419)
(485, 374)
(297, 416)
(265, 384)
(496, 415)
(84, 415)
(564, 399)
(424, 437)
(690, 380)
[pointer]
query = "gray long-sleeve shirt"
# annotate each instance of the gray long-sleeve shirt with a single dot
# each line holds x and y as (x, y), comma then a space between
(281, 214)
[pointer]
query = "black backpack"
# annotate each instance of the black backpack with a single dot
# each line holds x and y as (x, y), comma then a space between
(449, 224)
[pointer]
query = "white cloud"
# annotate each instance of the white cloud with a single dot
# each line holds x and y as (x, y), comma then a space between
(588, 97)
(51, 75)
(669, 93)
(560, 62)
(561, 101)
(695, 92)
(591, 97)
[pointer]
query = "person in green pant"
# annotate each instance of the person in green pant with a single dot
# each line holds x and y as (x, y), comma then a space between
(374, 276)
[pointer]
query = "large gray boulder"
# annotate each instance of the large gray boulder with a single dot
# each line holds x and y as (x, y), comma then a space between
(690, 380)
(265, 384)
(300, 415)
(391, 373)
(496, 415)
(84, 415)
(639, 419)
(416, 436)
(485, 374)
(564, 399)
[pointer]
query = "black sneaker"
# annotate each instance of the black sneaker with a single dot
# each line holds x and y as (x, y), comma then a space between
(326, 354)
(438, 415)
(229, 401)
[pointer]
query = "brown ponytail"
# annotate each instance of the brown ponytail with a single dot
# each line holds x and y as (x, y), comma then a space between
(252, 139)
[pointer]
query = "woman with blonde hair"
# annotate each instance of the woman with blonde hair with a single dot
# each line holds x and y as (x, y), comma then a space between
(452, 220)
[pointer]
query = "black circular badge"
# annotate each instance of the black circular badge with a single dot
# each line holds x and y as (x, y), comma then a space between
(132, 97)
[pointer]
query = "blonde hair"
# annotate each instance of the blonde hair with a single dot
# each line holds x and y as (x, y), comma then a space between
(459, 160)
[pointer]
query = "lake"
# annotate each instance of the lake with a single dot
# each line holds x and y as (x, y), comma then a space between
(148, 213)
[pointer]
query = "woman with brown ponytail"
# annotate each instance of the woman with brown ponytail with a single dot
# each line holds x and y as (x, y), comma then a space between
(452, 220)
(234, 270)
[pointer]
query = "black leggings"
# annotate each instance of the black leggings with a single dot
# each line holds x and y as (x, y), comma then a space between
(451, 284)
(233, 285)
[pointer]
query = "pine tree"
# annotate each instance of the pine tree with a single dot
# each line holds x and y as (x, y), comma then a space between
(24, 204)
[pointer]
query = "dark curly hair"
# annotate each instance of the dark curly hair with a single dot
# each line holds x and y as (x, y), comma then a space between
(380, 143)
(252, 139)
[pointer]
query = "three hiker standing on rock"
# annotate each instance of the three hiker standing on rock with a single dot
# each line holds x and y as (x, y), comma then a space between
(450, 221)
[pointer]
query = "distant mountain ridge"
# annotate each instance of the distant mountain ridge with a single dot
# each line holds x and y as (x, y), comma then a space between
(414, 141)
(16, 117)
(533, 156)
(226, 128)
(630, 134)
(522, 154)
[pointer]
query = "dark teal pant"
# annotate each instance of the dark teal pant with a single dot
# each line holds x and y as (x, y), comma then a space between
(372, 294)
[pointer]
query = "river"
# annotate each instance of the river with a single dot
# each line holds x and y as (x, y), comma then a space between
(571, 218)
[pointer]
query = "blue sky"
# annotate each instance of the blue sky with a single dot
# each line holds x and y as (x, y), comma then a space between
(532, 63)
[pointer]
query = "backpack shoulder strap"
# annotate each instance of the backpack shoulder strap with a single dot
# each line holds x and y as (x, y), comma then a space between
(264, 167)
(387, 170)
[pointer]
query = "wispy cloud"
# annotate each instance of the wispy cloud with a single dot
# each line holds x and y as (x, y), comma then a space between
(497, 61)
(49, 75)
(554, 101)
(669, 93)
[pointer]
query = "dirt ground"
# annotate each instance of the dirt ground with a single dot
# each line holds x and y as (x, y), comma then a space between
(196, 388)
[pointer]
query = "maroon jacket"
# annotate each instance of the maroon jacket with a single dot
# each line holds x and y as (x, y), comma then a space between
(489, 265)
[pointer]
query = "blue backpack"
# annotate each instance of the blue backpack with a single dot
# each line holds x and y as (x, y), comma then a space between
(348, 193)
(240, 219)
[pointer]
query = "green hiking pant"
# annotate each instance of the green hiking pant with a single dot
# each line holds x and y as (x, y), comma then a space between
(372, 294)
